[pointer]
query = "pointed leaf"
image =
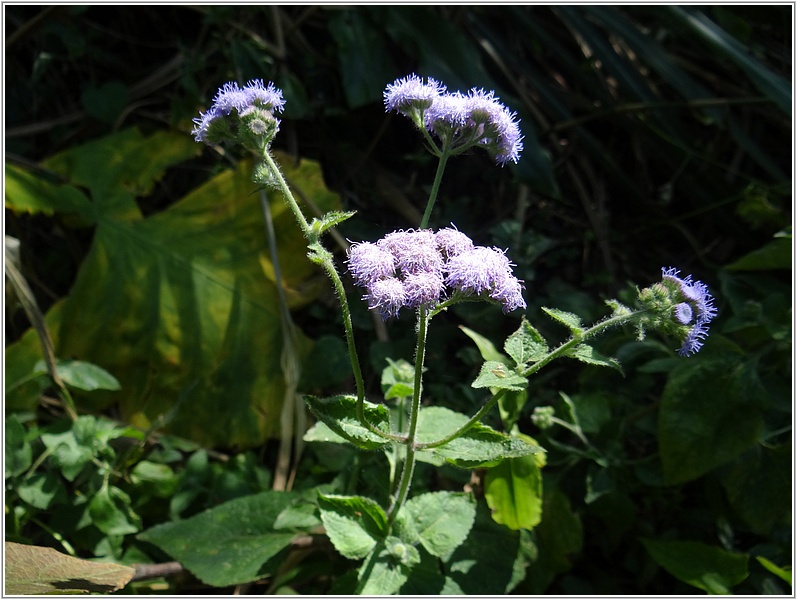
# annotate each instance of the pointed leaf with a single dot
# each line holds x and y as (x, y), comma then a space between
(708, 568)
(354, 524)
(33, 570)
(83, 375)
(569, 320)
(526, 344)
(587, 354)
(235, 542)
(339, 413)
(479, 446)
(486, 347)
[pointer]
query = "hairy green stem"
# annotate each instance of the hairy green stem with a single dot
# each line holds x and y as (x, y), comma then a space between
(438, 177)
(324, 258)
(409, 459)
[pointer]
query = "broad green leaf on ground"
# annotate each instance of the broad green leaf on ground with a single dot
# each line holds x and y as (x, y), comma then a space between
(339, 414)
(33, 570)
(485, 563)
(710, 413)
(513, 490)
(442, 520)
(229, 544)
(181, 307)
(708, 568)
(479, 446)
(354, 524)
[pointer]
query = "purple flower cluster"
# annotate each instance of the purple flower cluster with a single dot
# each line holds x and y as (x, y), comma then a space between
(477, 118)
(696, 310)
(254, 95)
(413, 268)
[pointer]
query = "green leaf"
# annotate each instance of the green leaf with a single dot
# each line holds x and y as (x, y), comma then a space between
(568, 319)
(487, 349)
(442, 520)
(398, 379)
(83, 375)
(783, 572)
(329, 220)
(708, 568)
(479, 446)
(484, 564)
(26, 192)
(18, 452)
(105, 102)
(339, 413)
(587, 354)
(381, 573)
(526, 345)
(776, 254)
(110, 511)
(496, 375)
(354, 524)
(235, 542)
(32, 570)
(41, 489)
(709, 415)
(513, 490)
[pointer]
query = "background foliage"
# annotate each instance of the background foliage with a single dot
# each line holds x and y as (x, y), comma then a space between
(655, 136)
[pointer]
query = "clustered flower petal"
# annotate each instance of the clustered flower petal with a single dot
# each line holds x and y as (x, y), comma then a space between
(477, 118)
(254, 99)
(696, 311)
(413, 268)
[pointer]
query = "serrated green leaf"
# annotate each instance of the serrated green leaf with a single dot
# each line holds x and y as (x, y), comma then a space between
(32, 570)
(330, 219)
(442, 520)
(568, 319)
(339, 413)
(232, 543)
(479, 446)
(526, 345)
(496, 375)
(513, 490)
(587, 354)
(354, 524)
(708, 568)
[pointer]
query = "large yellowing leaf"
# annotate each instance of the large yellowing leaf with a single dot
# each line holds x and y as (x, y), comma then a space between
(181, 307)
(33, 570)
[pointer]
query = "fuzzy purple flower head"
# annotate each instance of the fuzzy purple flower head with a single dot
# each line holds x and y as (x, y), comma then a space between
(680, 306)
(463, 121)
(422, 268)
(240, 114)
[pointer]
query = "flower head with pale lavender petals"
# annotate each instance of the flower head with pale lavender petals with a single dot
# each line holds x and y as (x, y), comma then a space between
(415, 268)
(461, 121)
(241, 114)
(680, 306)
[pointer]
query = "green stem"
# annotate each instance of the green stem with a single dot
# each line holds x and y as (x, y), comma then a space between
(325, 259)
(438, 177)
(409, 459)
